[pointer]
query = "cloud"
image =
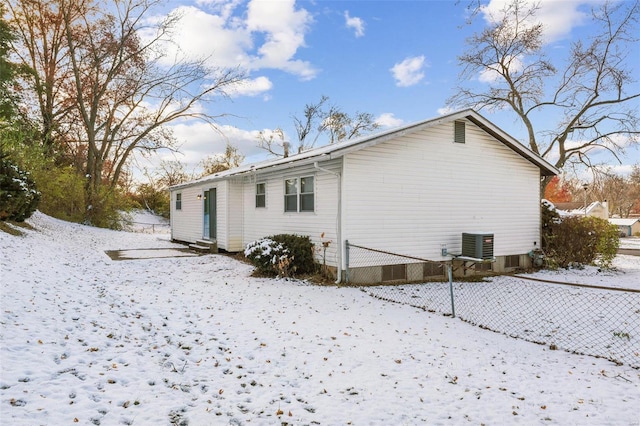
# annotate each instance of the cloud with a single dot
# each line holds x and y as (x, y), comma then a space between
(251, 87)
(356, 23)
(227, 35)
(558, 18)
(198, 140)
(284, 28)
(409, 72)
(388, 120)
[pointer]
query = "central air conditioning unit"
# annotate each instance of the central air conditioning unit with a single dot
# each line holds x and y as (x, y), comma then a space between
(477, 245)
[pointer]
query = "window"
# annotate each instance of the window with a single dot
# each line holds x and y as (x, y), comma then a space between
(261, 195)
(178, 201)
(299, 195)
(512, 261)
(394, 272)
(306, 194)
(291, 195)
(459, 131)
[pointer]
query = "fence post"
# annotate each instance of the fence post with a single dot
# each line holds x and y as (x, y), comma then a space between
(346, 260)
(450, 271)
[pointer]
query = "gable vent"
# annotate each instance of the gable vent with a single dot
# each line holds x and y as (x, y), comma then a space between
(458, 132)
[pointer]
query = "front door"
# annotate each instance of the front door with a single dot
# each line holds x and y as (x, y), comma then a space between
(209, 206)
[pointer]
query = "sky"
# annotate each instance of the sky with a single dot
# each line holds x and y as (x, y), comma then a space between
(396, 60)
(197, 340)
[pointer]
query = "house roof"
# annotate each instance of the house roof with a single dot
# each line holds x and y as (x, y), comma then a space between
(341, 148)
(624, 221)
(575, 209)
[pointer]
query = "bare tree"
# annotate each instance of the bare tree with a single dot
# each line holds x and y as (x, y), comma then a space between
(117, 94)
(220, 162)
(171, 173)
(590, 93)
(621, 192)
(310, 123)
(315, 122)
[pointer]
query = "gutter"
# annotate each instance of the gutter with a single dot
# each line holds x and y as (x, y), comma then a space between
(338, 219)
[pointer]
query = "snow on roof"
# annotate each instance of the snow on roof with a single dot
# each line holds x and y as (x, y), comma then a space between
(624, 221)
(341, 148)
(574, 210)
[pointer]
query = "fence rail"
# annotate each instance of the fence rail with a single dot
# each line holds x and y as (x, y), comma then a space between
(592, 320)
(147, 227)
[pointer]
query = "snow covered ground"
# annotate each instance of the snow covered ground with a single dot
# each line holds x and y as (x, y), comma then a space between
(630, 242)
(198, 341)
(145, 221)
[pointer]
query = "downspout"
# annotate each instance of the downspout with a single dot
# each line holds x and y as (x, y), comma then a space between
(338, 220)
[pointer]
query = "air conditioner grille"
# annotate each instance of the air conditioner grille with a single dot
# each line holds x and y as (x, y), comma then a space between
(477, 245)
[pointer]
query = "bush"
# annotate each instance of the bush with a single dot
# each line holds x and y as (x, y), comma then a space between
(577, 241)
(282, 255)
(301, 249)
(18, 195)
(62, 192)
(153, 199)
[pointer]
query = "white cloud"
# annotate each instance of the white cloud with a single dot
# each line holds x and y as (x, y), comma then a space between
(409, 72)
(284, 28)
(265, 35)
(388, 120)
(557, 17)
(198, 140)
(223, 7)
(199, 34)
(356, 23)
(251, 87)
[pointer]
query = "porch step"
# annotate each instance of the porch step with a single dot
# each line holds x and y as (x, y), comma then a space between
(205, 246)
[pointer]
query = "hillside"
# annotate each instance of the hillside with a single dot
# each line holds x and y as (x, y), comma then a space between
(196, 340)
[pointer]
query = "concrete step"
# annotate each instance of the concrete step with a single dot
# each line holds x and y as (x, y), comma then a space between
(205, 246)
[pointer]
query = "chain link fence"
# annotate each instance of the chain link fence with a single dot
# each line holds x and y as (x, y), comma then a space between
(148, 228)
(593, 320)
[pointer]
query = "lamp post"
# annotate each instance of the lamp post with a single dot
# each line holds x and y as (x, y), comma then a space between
(585, 186)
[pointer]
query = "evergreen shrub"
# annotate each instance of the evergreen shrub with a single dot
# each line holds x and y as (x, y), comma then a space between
(18, 194)
(578, 240)
(282, 255)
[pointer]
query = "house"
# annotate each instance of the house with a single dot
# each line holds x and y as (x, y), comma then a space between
(627, 226)
(595, 209)
(413, 190)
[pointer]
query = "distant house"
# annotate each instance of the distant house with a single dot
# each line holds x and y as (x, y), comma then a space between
(411, 190)
(627, 227)
(595, 209)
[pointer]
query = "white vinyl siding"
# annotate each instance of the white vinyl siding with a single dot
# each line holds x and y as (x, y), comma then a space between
(415, 193)
(187, 223)
(259, 223)
(234, 217)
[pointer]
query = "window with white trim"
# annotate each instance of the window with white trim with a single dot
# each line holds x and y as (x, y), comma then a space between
(299, 194)
(261, 195)
(179, 201)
